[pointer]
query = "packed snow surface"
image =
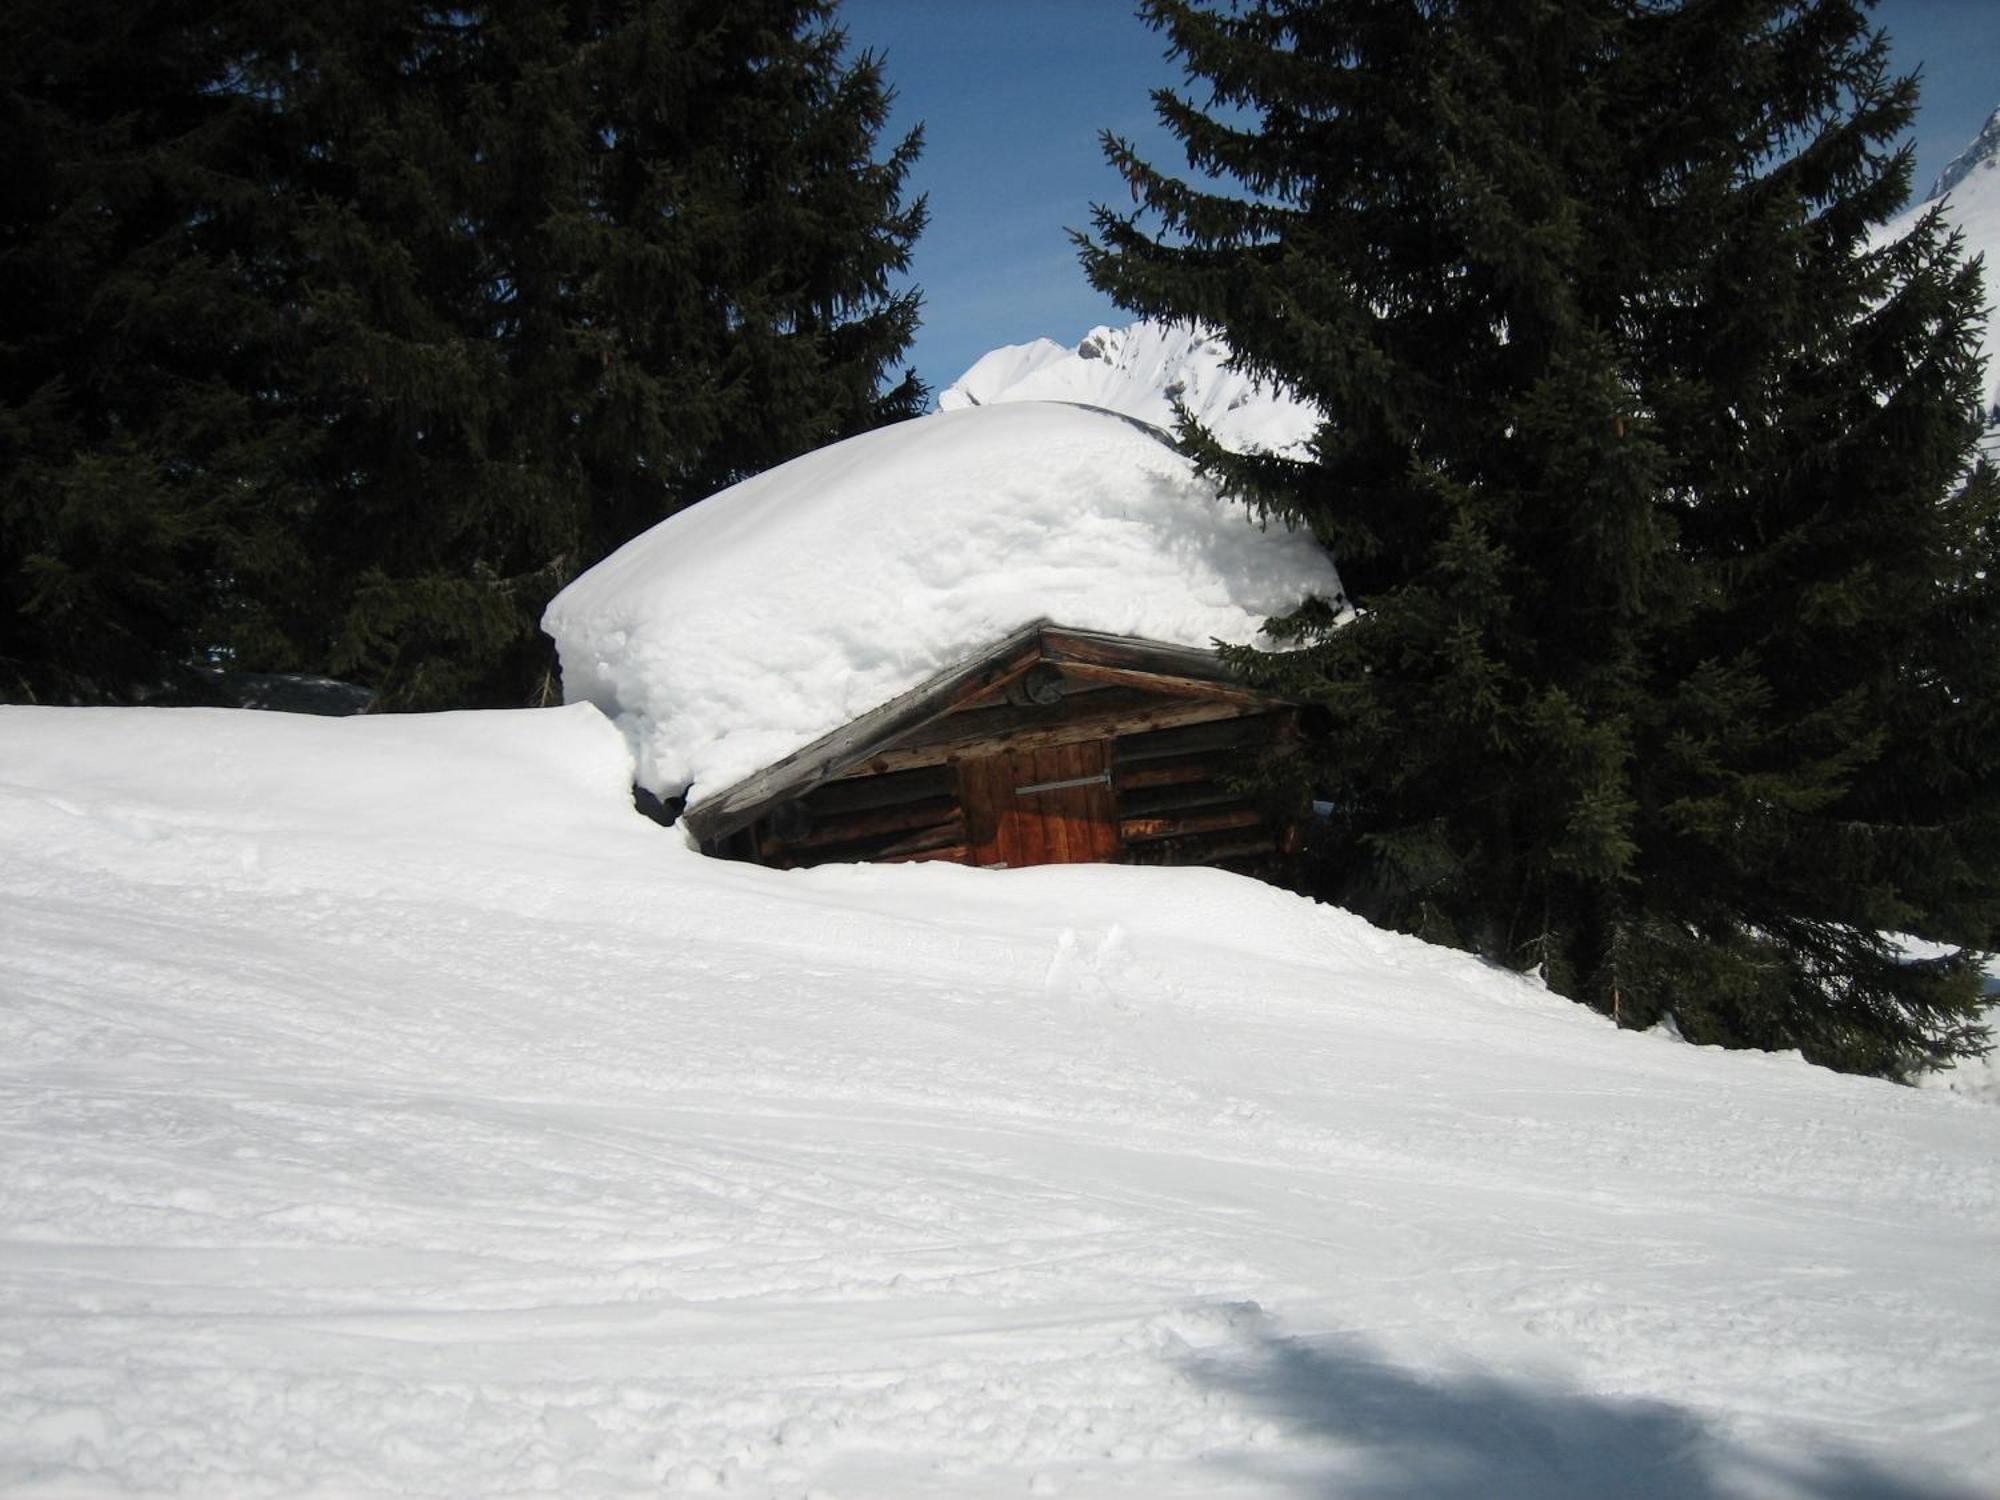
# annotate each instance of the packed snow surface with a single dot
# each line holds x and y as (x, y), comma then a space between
(751, 624)
(387, 1110)
(1143, 371)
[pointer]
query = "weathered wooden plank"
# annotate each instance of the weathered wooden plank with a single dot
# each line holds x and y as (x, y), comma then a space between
(950, 832)
(1066, 836)
(984, 698)
(957, 854)
(1160, 714)
(1024, 822)
(1065, 645)
(1154, 801)
(1136, 830)
(1023, 826)
(1192, 737)
(975, 796)
(875, 846)
(1090, 804)
(854, 794)
(1167, 773)
(1104, 838)
(852, 828)
(1001, 720)
(1165, 682)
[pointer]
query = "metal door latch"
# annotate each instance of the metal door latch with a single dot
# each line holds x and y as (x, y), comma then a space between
(1103, 777)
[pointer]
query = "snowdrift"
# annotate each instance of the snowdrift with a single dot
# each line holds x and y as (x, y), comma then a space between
(751, 624)
(386, 1109)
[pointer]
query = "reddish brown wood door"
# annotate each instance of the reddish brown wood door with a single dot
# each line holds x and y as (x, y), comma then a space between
(1040, 807)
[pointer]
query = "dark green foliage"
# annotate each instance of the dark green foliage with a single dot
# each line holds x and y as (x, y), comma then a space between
(337, 338)
(132, 344)
(1674, 674)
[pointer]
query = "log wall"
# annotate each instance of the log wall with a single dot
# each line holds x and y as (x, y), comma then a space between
(1169, 805)
(1174, 806)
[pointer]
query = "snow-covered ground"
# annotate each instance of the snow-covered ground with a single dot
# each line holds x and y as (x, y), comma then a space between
(386, 1110)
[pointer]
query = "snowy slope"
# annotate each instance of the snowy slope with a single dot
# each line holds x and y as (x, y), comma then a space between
(1969, 190)
(385, 1110)
(764, 617)
(1141, 370)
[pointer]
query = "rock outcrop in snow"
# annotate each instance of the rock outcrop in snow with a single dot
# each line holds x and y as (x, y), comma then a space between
(748, 626)
(1983, 155)
(1142, 371)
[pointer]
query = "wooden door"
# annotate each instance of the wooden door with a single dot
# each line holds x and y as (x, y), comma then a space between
(1040, 807)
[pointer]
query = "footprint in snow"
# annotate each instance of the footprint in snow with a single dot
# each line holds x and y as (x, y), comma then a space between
(1093, 978)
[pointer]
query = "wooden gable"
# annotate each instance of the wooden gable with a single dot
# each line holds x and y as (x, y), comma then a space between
(1057, 746)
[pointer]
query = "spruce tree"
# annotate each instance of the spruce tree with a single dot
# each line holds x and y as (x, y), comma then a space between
(138, 338)
(1652, 481)
(345, 335)
(663, 253)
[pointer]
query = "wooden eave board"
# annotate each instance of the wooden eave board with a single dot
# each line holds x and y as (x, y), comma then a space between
(1113, 661)
(1063, 646)
(1101, 716)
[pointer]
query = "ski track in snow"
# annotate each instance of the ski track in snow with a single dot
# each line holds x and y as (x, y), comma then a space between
(482, 1140)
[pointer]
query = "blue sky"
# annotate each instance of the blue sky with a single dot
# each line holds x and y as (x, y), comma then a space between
(1013, 93)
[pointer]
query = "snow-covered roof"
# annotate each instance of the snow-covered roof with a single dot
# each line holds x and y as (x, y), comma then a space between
(1143, 370)
(768, 615)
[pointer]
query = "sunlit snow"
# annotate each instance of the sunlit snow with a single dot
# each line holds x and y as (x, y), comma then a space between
(386, 1109)
(1143, 370)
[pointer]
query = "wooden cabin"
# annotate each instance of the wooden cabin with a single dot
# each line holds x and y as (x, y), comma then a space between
(1057, 746)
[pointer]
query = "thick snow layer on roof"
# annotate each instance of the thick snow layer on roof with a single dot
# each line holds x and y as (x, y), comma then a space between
(1142, 371)
(748, 626)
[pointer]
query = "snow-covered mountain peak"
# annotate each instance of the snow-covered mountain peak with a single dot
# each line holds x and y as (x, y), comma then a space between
(1967, 196)
(1983, 155)
(1141, 371)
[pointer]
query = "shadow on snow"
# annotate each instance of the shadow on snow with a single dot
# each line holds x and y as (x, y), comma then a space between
(1402, 1436)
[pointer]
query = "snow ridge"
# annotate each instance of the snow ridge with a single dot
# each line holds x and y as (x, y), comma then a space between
(1142, 371)
(1983, 153)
